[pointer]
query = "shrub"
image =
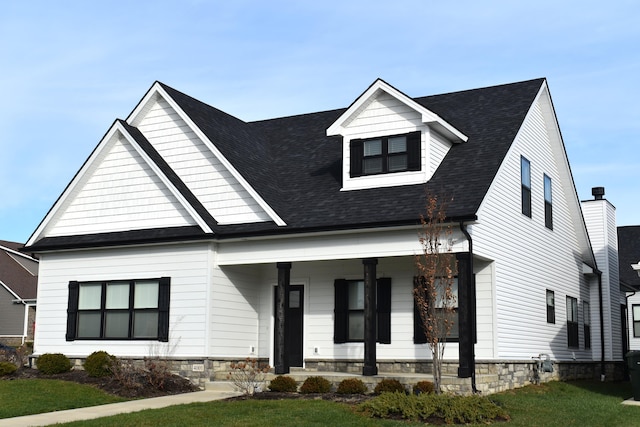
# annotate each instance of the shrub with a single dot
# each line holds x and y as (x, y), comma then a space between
(98, 364)
(53, 363)
(351, 386)
(248, 376)
(283, 384)
(390, 386)
(7, 368)
(448, 409)
(423, 387)
(157, 372)
(315, 385)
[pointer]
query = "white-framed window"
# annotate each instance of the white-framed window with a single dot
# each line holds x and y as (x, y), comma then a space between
(548, 205)
(551, 307)
(386, 154)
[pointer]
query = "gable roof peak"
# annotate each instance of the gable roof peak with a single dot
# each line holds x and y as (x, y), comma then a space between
(373, 91)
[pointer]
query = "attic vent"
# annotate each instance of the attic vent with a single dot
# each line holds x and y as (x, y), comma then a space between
(597, 192)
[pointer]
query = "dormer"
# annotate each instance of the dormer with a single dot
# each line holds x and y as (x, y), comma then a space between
(388, 139)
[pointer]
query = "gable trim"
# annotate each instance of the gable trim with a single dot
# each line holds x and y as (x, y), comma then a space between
(428, 117)
(74, 185)
(157, 89)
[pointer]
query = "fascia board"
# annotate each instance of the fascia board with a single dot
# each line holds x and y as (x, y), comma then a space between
(73, 185)
(428, 117)
(165, 180)
(157, 88)
(9, 290)
(16, 253)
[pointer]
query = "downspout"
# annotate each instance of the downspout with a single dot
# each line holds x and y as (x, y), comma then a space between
(602, 376)
(463, 228)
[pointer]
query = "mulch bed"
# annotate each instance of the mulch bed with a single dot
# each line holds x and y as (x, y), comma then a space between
(172, 385)
(350, 399)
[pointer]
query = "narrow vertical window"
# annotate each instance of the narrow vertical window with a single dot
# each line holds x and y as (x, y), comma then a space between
(572, 323)
(551, 307)
(587, 324)
(548, 207)
(635, 309)
(525, 182)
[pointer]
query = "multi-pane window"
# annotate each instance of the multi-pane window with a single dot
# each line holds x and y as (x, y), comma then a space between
(355, 320)
(525, 183)
(551, 307)
(124, 309)
(635, 312)
(587, 324)
(349, 310)
(447, 319)
(548, 206)
(385, 154)
(572, 322)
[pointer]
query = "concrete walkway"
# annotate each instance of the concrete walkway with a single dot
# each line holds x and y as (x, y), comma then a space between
(115, 408)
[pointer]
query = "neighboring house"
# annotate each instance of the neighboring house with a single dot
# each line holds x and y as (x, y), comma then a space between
(193, 235)
(629, 253)
(18, 287)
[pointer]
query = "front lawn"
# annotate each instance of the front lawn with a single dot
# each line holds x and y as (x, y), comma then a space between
(25, 397)
(582, 403)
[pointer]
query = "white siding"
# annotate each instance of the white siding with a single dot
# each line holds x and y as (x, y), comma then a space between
(187, 265)
(384, 115)
(601, 223)
(196, 165)
(235, 305)
(529, 258)
(121, 193)
(439, 147)
(486, 347)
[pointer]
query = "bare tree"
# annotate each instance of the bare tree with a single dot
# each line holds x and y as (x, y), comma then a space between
(434, 292)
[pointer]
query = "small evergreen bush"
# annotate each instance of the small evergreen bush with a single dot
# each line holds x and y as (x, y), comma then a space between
(352, 386)
(98, 364)
(315, 385)
(283, 384)
(389, 385)
(423, 387)
(448, 409)
(7, 368)
(53, 363)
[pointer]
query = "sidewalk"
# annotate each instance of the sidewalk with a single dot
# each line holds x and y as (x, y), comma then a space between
(114, 409)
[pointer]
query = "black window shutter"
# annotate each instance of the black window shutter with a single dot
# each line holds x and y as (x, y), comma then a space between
(384, 310)
(356, 154)
(419, 333)
(414, 154)
(340, 311)
(72, 310)
(163, 308)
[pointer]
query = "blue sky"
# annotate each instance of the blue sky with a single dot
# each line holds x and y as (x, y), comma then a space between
(69, 68)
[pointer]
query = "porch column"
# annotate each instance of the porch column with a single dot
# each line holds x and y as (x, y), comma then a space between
(370, 320)
(466, 316)
(284, 278)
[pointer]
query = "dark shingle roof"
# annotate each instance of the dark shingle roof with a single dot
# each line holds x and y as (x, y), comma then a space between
(14, 275)
(629, 253)
(297, 169)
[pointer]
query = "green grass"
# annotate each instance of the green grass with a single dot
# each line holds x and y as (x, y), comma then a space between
(553, 404)
(576, 403)
(26, 397)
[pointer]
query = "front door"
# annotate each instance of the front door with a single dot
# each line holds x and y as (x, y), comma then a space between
(293, 323)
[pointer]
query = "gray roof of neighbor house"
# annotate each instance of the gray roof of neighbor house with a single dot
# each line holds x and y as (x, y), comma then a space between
(297, 169)
(629, 253)
(18, 272)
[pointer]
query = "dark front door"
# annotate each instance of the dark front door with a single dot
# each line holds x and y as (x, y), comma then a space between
(293, 309)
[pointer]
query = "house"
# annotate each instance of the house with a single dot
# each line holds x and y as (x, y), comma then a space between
(18, 284)
(629, 260)
(193, 235)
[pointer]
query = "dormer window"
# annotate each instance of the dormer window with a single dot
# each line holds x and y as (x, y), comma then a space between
(396, 153)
